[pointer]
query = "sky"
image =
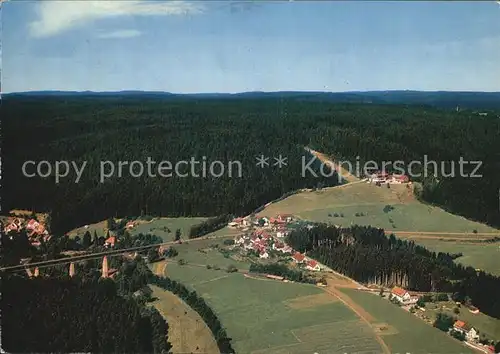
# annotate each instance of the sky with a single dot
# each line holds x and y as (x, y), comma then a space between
(209, 46)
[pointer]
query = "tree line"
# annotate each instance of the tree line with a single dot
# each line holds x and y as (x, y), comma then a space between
(210, 225)
(367, 255)
(282, 270)
(198, 304)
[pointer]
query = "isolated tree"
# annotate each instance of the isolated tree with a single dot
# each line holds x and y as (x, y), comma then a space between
(96, 238)
(381, 292)
(177, 234)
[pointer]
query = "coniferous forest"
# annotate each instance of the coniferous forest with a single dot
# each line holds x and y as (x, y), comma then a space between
(127, 128)
(72, 315)
(367, 255)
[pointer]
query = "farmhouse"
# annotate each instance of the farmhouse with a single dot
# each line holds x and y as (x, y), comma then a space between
(383, 177)
(299, 258)
(398, 179)
(403, 296)
(470, 332)
(313, 265)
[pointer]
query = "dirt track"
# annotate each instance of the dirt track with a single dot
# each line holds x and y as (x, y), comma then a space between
(328, 161)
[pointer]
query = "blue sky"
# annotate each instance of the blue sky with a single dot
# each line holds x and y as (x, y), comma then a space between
(186, 47)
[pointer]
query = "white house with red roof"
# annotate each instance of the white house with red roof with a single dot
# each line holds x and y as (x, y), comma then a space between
(313, 265)
(299, 258)
(399, 179)
(469, 332)
(403, 296)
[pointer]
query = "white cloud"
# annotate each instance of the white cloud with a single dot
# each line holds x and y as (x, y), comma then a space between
(55, 17)
(121, 34)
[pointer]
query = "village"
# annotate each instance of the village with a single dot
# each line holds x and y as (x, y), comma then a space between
(35, 230)
(265, 238)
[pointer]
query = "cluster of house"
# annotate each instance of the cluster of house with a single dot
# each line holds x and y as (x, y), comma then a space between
(470, 333)
(245, 223)
(310, 264)
(403, 296)
(262, 242)
(384, 177)
(34, 229)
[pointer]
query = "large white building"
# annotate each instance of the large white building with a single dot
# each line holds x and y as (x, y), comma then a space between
(403, 296)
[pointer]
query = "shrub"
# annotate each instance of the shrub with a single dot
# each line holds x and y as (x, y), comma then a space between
(458, 335)
(388, 208)
(231, 269)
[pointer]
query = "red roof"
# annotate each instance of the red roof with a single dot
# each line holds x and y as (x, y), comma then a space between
(459, 324)
(111, 240)
(401, 177)
(299, 256)
(398, 291)
(238, 220)
(32, 223)
(312, 263)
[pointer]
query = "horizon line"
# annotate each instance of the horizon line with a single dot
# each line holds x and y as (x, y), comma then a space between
(238, 92)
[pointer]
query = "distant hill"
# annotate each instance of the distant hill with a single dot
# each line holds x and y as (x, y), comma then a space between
(441, 99)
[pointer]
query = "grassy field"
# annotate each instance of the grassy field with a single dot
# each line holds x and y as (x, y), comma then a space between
(486, 325)
(187, 332)
(165, 227)
(408, 213)
(264, 316)
(157, 226)
(201, 253)
(485, 256)
(412, 335)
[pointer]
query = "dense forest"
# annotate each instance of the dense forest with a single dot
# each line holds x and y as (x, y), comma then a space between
(127, 128)
(367, 255)
(80, 314)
